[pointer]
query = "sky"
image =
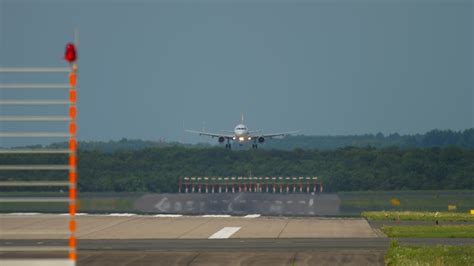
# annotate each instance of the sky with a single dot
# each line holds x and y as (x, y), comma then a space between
(149, 69)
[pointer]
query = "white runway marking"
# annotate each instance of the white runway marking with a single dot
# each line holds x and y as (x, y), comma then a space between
(225, 232)
(252, 216)
(168, 215)
(311, 201)
(122, 214)
(216, 216)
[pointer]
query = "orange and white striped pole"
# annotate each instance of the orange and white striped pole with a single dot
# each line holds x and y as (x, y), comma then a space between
(72, 162)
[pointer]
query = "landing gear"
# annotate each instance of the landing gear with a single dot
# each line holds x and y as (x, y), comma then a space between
(228, 145)
(254, 144)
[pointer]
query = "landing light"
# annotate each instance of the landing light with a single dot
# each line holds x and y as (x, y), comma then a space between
(250, 138)
(241, 138)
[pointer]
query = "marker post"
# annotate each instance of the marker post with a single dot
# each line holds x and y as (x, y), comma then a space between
(72, 162)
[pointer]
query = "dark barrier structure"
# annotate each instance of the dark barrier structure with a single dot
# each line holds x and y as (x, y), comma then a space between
(250, 184)
(243, 203)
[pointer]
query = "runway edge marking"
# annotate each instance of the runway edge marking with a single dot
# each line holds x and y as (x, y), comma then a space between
(225, 232)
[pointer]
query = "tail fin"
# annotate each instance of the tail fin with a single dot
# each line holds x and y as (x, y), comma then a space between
(242, 118)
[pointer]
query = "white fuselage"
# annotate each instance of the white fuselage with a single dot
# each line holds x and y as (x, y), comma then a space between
(241, 133)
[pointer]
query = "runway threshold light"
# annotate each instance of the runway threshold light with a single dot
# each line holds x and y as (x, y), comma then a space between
(70, 55)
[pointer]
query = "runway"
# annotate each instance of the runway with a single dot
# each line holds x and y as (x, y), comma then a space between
(44, 226)
(232, 258)
(228, 244)
(128, 239)
(207, 244)
(342, 251)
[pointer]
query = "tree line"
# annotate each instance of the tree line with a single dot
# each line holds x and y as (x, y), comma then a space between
(344, 169)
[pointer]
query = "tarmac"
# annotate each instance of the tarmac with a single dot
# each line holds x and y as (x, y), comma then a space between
(129, 239)
(121, 226)
(233, 258)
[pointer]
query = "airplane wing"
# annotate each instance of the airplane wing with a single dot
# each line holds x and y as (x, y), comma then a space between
(214, 135)
(280, 134)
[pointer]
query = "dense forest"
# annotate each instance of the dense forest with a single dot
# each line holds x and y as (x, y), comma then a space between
(344, 169)
(433, 138)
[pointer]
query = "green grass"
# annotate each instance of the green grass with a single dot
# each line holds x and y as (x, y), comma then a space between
(436, 200)
(87, 202)
(429, 231)
(34, 207)
(418, 216)
(106, 205)
(84, 205)
(429, 255)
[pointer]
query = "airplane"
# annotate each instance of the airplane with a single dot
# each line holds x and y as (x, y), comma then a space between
(241, 134)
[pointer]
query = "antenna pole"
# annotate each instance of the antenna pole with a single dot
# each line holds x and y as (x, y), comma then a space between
(76, 36)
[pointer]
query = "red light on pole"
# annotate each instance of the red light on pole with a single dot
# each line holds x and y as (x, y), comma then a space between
(70, 55)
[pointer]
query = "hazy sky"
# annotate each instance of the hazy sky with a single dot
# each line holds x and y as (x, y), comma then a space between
(324, 67)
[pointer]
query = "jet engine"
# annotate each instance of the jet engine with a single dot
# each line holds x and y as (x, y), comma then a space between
(221, 139)
(261, 139)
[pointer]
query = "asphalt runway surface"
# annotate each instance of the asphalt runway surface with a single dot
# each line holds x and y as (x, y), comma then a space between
(198, 258)
(206, 244)
(342, 251)
(123, 226)
(127, 239)
(232, 244)
(123, 239)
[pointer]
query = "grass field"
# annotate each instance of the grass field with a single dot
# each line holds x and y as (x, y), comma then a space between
(429, 255)
(87, 202)
(419, 216)
(429, 231)
(433, 200)
(107, 205)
